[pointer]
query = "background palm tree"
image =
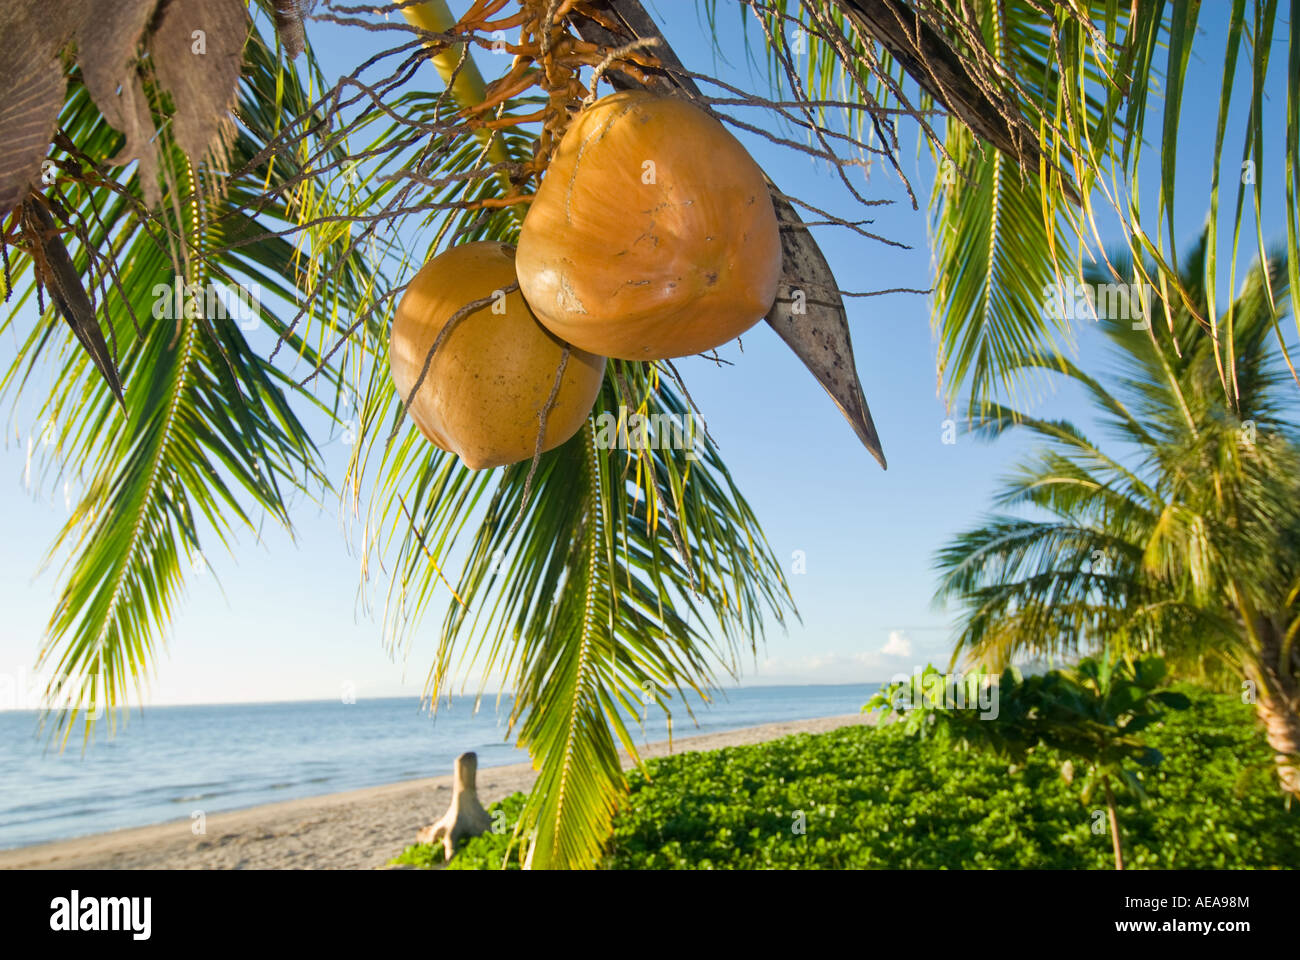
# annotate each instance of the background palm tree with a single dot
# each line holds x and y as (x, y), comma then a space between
(1179, 536)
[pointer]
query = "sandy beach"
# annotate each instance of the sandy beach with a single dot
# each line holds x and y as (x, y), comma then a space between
(355, 830)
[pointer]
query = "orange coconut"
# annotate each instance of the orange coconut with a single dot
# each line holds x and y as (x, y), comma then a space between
(496, 367)
(652, 234)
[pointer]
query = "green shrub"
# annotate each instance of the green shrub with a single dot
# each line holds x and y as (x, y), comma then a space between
(875, 798)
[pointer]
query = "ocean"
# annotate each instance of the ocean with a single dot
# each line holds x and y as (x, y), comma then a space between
(165, 763)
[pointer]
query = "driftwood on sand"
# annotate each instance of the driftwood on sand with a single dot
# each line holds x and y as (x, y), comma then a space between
(465, 817)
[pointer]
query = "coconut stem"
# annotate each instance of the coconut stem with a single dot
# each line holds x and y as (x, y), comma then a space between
(466, 82)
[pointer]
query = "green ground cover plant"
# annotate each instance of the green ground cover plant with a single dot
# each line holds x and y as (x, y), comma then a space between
(869, 797)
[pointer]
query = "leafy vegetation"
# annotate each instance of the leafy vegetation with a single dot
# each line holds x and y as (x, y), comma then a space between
(880, 798)
(1094, 713)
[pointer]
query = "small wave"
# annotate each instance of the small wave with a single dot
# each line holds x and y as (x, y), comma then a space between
(27, 808)
(172, 788)
(52, 815)
(194, 797)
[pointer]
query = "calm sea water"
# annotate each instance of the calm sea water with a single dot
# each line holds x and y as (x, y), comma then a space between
(167, 762)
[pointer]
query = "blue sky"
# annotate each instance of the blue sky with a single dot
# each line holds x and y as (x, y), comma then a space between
(285, 622)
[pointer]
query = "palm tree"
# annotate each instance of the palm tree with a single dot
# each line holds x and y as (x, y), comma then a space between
(200, 439)
(180, 434)
(1180, 538)
(595, 581)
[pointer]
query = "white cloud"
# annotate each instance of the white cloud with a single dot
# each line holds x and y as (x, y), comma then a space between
(866, 667)
(899, 644)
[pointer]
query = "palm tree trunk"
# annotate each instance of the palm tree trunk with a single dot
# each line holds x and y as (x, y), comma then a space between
(1277, 703)
(1114, 824)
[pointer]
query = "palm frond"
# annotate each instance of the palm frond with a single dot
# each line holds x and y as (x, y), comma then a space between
(208, 441)
(1087, 85)
(631, 576)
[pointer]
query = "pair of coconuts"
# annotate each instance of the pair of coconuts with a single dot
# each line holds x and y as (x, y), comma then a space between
(651, 236)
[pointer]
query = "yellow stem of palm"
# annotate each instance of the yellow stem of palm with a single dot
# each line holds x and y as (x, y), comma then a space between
(468, 88)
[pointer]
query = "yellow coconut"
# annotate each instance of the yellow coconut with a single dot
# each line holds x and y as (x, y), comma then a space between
(652, 234)
(494, 370)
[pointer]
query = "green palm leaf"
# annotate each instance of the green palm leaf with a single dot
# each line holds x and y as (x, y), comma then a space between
(599, 603)
(208, 441)
(622, 580)
(1087, 84)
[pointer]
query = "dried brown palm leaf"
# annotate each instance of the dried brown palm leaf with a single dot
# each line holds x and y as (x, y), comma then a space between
(289, 17)
(58, 274)
(32, 84)
(107, 51)
(197, 50)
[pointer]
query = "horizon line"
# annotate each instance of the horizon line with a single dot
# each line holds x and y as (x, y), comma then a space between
(442, 699)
